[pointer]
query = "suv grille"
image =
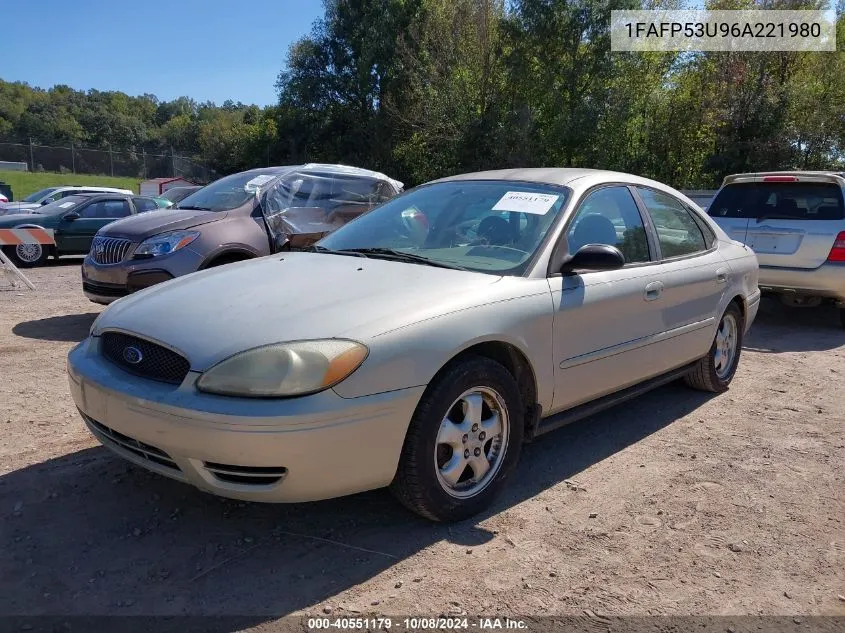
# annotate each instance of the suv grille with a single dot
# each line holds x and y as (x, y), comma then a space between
(150, 360)
(109, 250)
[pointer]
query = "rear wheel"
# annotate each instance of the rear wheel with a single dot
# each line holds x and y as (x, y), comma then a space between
(715, 371)
(27, 255)
(463, 441)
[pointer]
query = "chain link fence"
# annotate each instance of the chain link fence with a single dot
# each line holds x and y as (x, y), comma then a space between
(105, 162)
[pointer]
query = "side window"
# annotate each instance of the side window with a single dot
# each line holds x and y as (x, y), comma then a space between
(385, 192)
(106, 209)
(145, 204)
(677, 232)
(93, 210)
(709, 235)
(70, 192)
(116, 209)
(610, 216)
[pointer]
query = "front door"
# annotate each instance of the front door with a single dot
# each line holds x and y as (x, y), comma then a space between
(74, 236)
(605, 321)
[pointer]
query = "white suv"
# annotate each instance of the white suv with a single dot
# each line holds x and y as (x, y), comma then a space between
(795, 223)
(51, 194)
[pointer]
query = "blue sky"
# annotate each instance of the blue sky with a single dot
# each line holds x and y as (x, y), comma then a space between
(205, 49)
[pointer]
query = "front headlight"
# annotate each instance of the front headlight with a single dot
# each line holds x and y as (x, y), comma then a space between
(285, 369)
(165, 243)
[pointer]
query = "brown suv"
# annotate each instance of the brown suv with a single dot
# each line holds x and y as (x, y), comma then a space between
(245, 215)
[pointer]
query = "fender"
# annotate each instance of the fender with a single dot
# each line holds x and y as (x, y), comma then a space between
(229, 249)
(51, 248)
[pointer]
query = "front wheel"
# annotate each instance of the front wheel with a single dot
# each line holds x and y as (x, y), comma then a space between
(27, 255)
(463, 441)
(715, 371)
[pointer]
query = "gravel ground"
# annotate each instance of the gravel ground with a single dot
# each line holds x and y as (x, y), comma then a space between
(676, 503)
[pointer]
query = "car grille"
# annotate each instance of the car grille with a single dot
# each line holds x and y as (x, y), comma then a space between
(109, 250)
(248, 475)
(110, 437)
(103, 290)
(154, 361)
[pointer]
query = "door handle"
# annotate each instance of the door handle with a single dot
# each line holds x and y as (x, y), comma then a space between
(722, 276)
(653, 290)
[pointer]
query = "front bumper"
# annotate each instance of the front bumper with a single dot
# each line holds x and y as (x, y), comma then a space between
(267, 450)
(104, 283)
(828, 280)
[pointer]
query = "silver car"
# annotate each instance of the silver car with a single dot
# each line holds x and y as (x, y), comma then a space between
(421, 344)
(795, 223)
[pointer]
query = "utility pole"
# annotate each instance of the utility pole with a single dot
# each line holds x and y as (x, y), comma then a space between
(173, 160)
(31, 155)
(72, 159)
(144, 173)
(111, 160)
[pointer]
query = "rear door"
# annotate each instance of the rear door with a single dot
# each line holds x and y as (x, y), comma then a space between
(694, 275)
(790, 223)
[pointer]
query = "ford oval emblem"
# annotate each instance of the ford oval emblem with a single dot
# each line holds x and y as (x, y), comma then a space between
(132, 355)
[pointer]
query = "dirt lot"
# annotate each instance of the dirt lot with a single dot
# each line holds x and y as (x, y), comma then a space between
(703, 505)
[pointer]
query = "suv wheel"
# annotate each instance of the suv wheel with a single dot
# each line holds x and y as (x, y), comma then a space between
(715, 371)
(842, 316)
(463, 441)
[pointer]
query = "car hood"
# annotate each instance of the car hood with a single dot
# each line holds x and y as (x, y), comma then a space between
(13, 219)
(210, 315)
(150, 223)
(16, 207)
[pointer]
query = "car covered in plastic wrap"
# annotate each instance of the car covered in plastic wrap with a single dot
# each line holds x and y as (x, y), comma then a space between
(249, 214)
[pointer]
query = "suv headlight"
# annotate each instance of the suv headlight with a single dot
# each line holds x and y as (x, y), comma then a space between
(285, 369)
(165, 243)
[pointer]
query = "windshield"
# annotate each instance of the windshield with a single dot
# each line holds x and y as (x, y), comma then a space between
(779, 200)
(175, 194)
(485, 226)
(60, 206)
(35, 197)
(229, 192)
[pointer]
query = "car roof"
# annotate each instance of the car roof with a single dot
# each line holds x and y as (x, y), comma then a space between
(104, 194)
(837, 177)
(328, 168)
(555, 176)
(89, 188)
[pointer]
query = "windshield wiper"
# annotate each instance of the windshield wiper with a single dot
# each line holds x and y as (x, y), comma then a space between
(399, 256)
(322, 249)
(196, 208)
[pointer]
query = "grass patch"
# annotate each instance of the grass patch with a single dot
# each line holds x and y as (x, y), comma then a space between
(24, 183)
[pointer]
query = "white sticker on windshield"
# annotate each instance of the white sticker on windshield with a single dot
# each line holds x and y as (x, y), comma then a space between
(526, 202)
(65, 205)
(257, 182)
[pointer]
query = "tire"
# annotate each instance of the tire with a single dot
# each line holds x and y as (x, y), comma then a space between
(419, 483)
(27, 255)
(713, 376)
(842, 316)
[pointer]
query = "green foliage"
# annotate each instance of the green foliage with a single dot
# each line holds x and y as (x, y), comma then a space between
(425, 88)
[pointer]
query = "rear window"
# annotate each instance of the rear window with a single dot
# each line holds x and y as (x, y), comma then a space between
(779, 201)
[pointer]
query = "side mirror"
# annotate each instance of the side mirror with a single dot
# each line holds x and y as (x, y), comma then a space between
(594, 257)
(47, 201)
(70, 216)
